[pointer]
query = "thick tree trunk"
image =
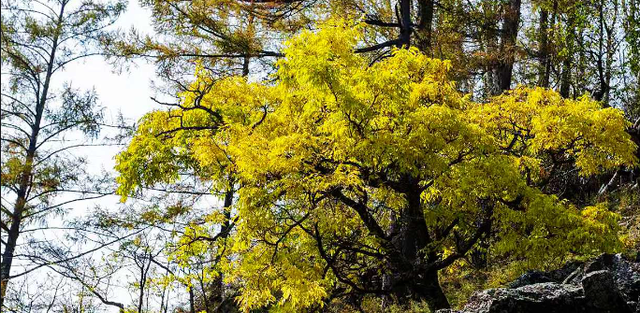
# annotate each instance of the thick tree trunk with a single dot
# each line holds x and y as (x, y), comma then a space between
(405, 23)
(425, 24)
(432, 293)
(408, 282)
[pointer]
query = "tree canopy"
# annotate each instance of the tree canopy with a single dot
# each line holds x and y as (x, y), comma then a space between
(356, 179)
(311, 155)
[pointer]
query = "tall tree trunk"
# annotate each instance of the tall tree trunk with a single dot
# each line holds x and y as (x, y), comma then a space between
(25, 179)
(567, 63)
(405, 23)
(425, 24)
(508, 38)
(543, 76)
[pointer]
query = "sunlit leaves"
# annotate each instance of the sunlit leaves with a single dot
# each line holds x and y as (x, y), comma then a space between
(332, 126)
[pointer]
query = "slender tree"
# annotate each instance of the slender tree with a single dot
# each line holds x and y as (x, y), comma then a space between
(40, 38)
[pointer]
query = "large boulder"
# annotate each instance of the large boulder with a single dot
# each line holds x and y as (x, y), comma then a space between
(607, 284)
(539, 297)
(626, 273)
(602, 295)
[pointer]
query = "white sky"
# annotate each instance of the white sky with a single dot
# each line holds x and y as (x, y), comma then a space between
(128, 91)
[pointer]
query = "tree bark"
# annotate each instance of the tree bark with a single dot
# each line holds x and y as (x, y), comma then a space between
(405, 23)
(508, 38)
(218, 284)
(411, 282)
(192, 301)
(433, 294)
(565, 79)
(543, 78)
(426, 23)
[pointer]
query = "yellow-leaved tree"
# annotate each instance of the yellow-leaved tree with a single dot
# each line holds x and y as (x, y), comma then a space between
(356, 179)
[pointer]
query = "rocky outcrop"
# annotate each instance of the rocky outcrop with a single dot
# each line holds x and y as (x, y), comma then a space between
(607, 284)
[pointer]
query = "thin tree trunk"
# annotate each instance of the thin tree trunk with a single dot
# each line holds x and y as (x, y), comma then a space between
(543, 78)
(490, 46)
(141, 295)
(192, 305)
(225, 230)
(25, 179)
(565, 79)
(246, 59)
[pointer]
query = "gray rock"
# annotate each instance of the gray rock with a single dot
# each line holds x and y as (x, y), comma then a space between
(531, 277)
(607, 284)
(540, 297)
(602, 295)
(626, 273)
(556, 276)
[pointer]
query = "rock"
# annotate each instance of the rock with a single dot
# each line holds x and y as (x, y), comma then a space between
(531, 277)
(602, 295)
(540, 297)
(607, 284)
(557, 276)
(626, 273)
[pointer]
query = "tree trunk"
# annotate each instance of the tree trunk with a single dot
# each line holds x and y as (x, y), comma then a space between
(565, 79)
(565, 83)
(543, 76)
(192, 301)
(508, 45)
(25, 183)
(218, 283)
(425, 24)
(411, 240)
(405, 23)
(143, 281)
(432, 292)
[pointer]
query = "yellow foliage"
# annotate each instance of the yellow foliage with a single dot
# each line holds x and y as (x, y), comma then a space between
(331, 122)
